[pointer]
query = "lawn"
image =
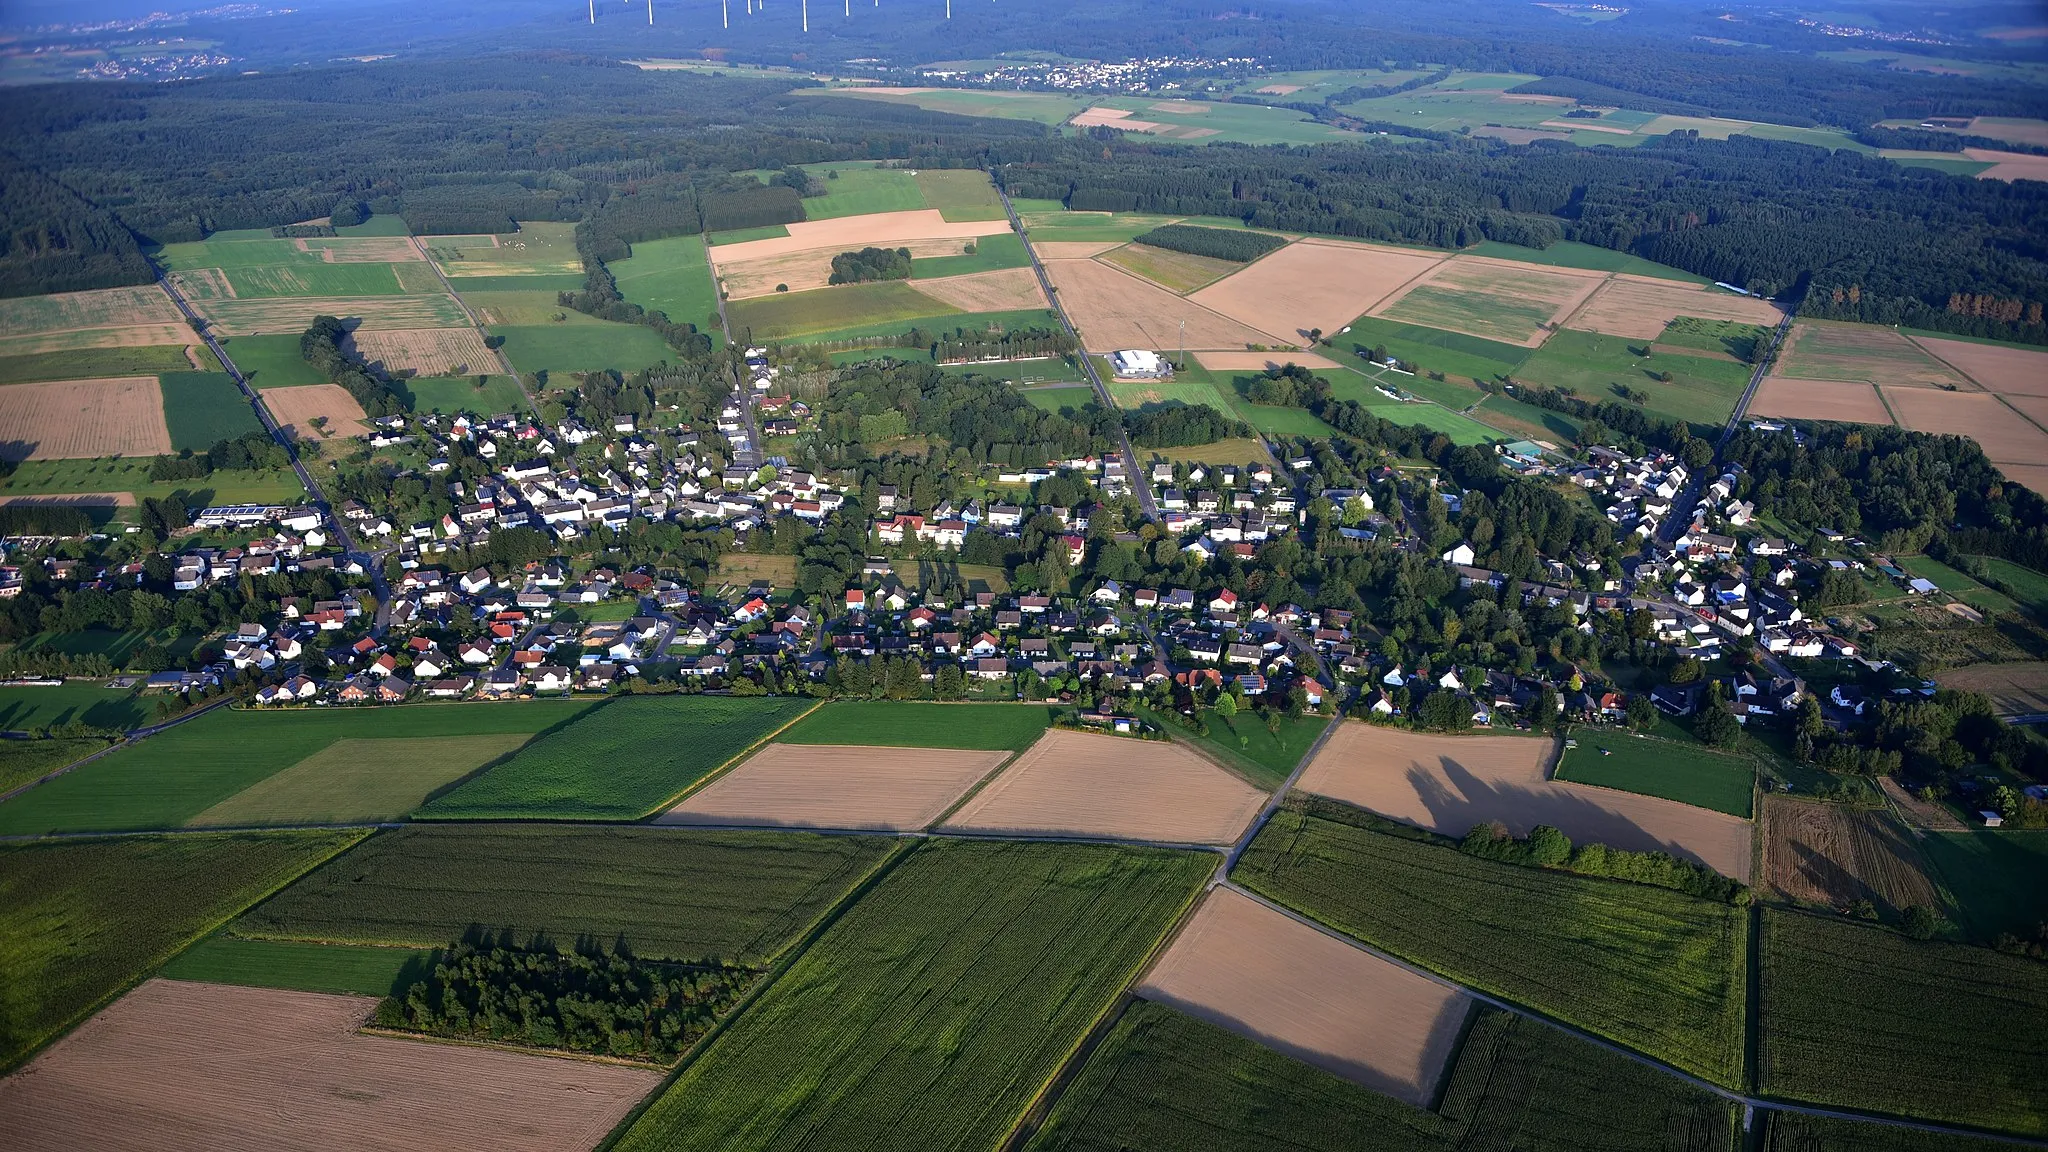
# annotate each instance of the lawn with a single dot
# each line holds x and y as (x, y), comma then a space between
(789, 315)
(1861, 1017)
(861, 191)
(272, 361)
(1998, 880)
(991, 254)
(80, 922)
(339, 969)
(1462, 429)
(499, 395)
(936, 1007)
(171, 778)
(86, 363)
(960, 194)
(73, 702)
(1192, 387)
(623, 761)
(1688, 773)
(568, 348)
(1243, 742)
(113, 474)
(1648, 968)
(1057, 399)
(202, 408)
(668, 893)
(1572, 254)
(892, 724)
(670, 276)
(1701, 390)
(24, 760)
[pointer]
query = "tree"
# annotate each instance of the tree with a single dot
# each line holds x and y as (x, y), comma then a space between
(1543, 714)
(1548, 846)
(1921, 922)
(1226, 705)
(1642, 715)
(1717, 726)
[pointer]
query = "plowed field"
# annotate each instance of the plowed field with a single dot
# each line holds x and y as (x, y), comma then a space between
(1076, 784)
(838, 786)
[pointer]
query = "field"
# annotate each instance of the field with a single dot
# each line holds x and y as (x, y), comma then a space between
(853, 190)
(935, 1007)
(1177, 272)
(312, 279)
(833, 786)
(201, 408)
(1687, 773)
(669, 894)
(2019, 689)
(178, 1066)
(1009, 290)
(289, 315)
(991, 254)
(1492, 299)
(81, 921)
(1264, 757)
(1702, 389)
(498, 395)
(24, 760)
(171, 778)
(127, 479)
(539, 248)
(881, 229)
(620, 762)
(1433, 350)
(1079, 784)
(1254, 971)
(1448, 784)
(1863, 1017)
(2005, 438)
(2026, 585)
(1315, 284)
(1835, 855)
(1044, 107)
(77, 419)
(1194, 121)
(144, 360)
(1820, 350)
(341, 969)
(1849, 401)
(1642, 307)
(812, 269)
(106, 313)
(426, 351)
(1572, 254)
(1793, 1132)
(360, 781)
(73, 702)
(1115, 310)
(2001, 368)
(1998, 881)
(798, 314)
(569, 348)
(272, 361)
(882, 723)
(296, 409)
(672, 277)
(960, 194)
(1648, 968)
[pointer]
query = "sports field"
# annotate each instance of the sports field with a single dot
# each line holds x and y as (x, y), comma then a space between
(670, 276)
(1687, 773)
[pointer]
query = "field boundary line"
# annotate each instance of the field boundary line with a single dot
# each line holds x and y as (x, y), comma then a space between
(2000, 397)
(731, 762)
(1558, 323)
(975, 788)
(133, 736)
(1944, 362)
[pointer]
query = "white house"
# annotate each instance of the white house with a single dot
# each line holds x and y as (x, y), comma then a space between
(1138, 363)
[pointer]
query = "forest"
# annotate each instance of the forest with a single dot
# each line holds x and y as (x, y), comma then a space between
(1221, 243)
(870, 263)
(320, 345)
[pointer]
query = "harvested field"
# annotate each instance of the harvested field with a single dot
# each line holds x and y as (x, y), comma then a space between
(1177, 272)
(1115, 310)
(1278, 90)
(1850, 401)
(292, 314)
(1241, 965)
(1008, 290)
(1641, 307)
(2034, 476)
(2034, 408)
(1076, 784)
(1073, 249)
(361, 249)
(2009, 166)
(1110, 118)
(427, 351)
(881, 229)
(75, 339)
(838, 786)
(1836, 855)
(1869, 352)
(1495, 299)
(1315, 284)
(141, 306)
(1260, 361)
(1999, 368)
(1448, 784)
(81, 419)
(177, 1066)
(810, 268)
(295, 409)
(1980, 416)
(2017, 689)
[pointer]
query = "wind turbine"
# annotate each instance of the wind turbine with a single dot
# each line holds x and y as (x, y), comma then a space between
(593, 11)
(650, 13)
(725, 12)
(807, 14)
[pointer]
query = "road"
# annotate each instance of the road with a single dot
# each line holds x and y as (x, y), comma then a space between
(1140, 484)
(742, 390)
(1756, 379)
(504, 363)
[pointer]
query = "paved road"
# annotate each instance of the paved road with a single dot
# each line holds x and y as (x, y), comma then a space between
(1141, 484)
(1756, 379)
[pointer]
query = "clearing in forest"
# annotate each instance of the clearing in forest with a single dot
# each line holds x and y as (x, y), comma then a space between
(295, 409)
(1849, 401)
(176, 1066)
(1836, 855)
(1641, 307)
(1297, 990)
(81, 419)
(1495, 299)
(1078, 784)
(827, 786)
(1315, 284)
(1115, 310)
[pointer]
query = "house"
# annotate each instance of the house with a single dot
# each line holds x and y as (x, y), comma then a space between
(549, 678)
(393, 689)
(453, 688)
(1461, 556)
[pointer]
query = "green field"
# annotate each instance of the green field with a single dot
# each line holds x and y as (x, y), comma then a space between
(1727, 337)
(860, 191)
(1688, 773)
(388, 224)
(1703, 391)
(1463, 309)
(1572, 254)
(1043, 107)
(1057, 399)
(549, 283)
(670, 276)
(1958, 584)
(1998, 880)
(1861, 1017)
(1243, 742)
(500, 394)
(619, 762)
(538, 248)
(73, 702)
(116, 646)
(340, 969)
(1432, 349)
(2029, 587)
(354, 781)
(172, 778)
(820, 311)
(742, 235)
(935, 1007)
(88, 363)
(24, 760)
(80, 922)
(272, 361)
(947, 325)
(1649, 968)
(201, 408)
(891, 724)
(313, 278)
(668, 893)
(249, 249)
(1792, 1132)
(960, 194)
(1462, 429)
(130, 474)
(1200, 122)
(991, 254)
(1049, 222)
(1192, 388)
(567, 348)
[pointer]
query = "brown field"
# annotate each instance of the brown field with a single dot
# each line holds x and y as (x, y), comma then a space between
(1007, 290)
(1260, 361)
(80, 419)
(1999, 368)
(427, 351)
(1315, 284)
(136, 336)
(1448, 784)
(1529, 98)
(293, 313)
(1980, 416)
(294, 409)
(811, 268)
(1278, 90)
(1073, 249)
(2034, 408)
(1918, 813)
(1243, 966)
(1850, 401)
(1835, 855)
(2034, 476)
(76, 499)
(1641, 307)
(362, 249)
(174, 1066)
(2009, 166)
(1476, 281)
(1110, 118)
(1177, 272)
(139, 307)
(196, 284)
(1114, 309)
(2019, 689)
(1871, 352)
(2015, 129)
(881, 229)
(1077, 784)
(838, 786)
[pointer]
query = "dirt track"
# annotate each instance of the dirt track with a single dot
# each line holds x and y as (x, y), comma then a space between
(1245, 967)
(174, 1066)
(1076, 784)
(838, 786)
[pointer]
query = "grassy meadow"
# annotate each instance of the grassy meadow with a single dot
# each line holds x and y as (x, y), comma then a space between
(893, 724)
(201, 408)
(670, 276)
(88, 363)
(1688, 773)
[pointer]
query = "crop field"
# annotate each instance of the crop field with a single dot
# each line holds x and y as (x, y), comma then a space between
(960, 194)
(1043, 107)
(881, 229)
(2003, 368)
(837, 786)
(1195, 121)
(1862, 1017)
(1081, 784)
(1242, 451)
(1448, 784)
(207, 1066)
(1876, 354)
(1646, 967)
(78, 419)
(1982, 417)
(313, 279)
(361, 249)
(81, 921)
(670, 276)
(991, 254)
(800, 272)
(886, 723)
(570, 348)
(426, 351)
(170, 779)
(1493, 299)
(1177, 272)
(798, 314)
(105, 310)
(1245, 967)
(272, 361)
(1642, 307)
(339, 969)
(1836, 855)
(859, 191)
(1572, 254)
(202, 408)
(1702, 389)
(527, 307)
(73, 702)
(1010, 290)
(1264, 757)
(360, 781)
(620, 762)
(1727, 338)
(123, 480)
(290, 315)
(1051, 223)
(24, 760)
(1998, 881)
(1848, 401)
(316, 411)
(669, 893)
(1315, 284)
(936, 1006)
(1113, 310)
(539, 248)
(142, 360)
(1793, 1132)
(1687, 773)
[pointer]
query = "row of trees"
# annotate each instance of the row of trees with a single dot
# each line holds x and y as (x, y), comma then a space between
(321, 346)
